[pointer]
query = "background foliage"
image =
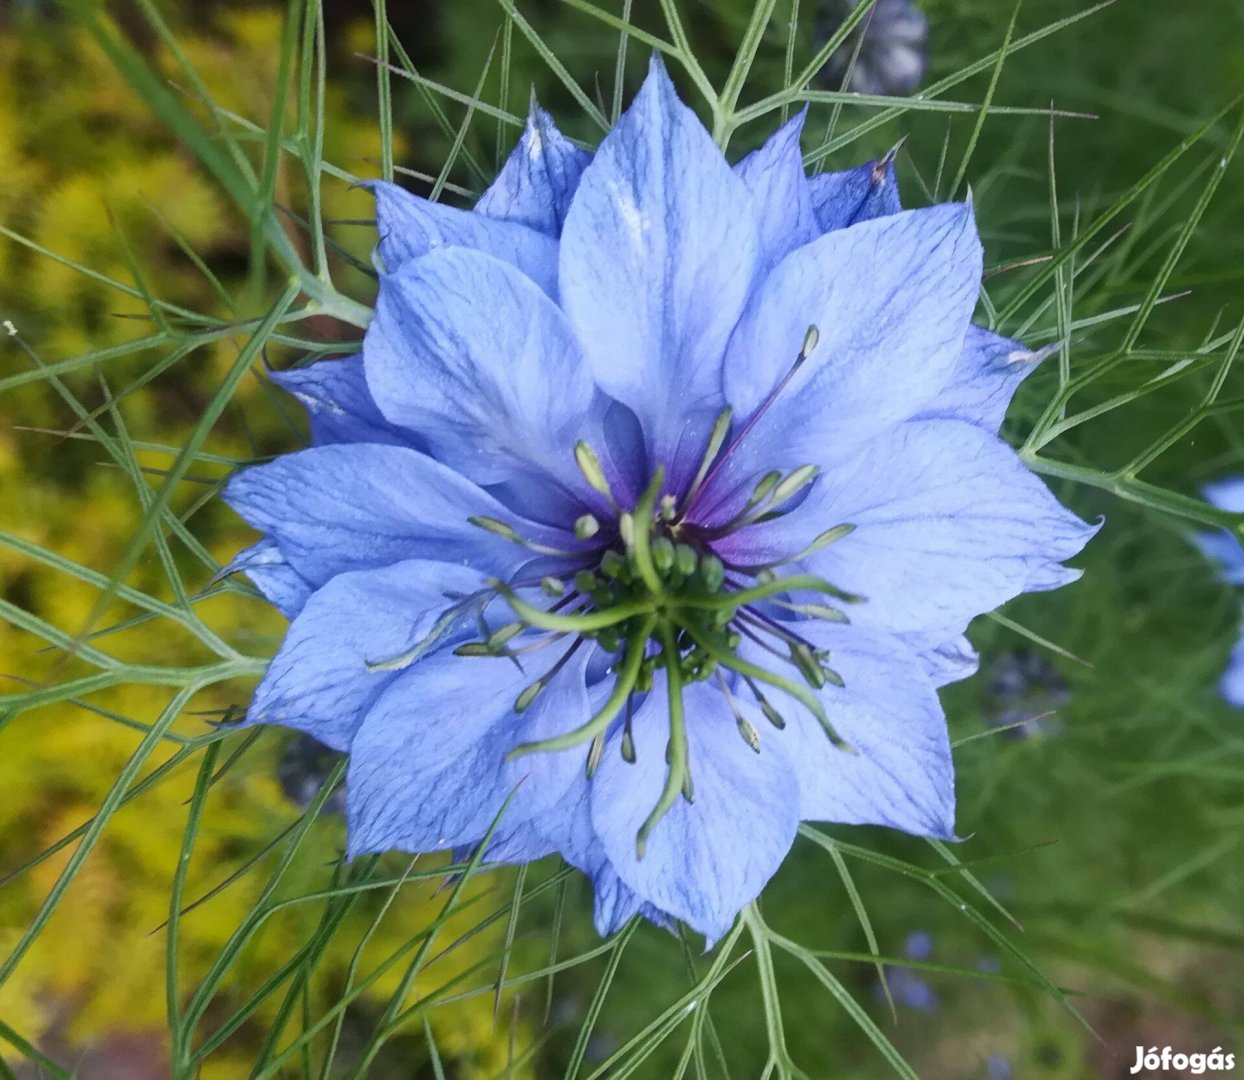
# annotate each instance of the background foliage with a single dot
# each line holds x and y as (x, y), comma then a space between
(169, 908)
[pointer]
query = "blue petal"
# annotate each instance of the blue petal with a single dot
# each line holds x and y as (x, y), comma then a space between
(471, 354)
(984, 379)
(704, 860)
(951, 661)
(615, 902)
(891, 300)
(268, 571)
(1232, 684)
(339, 405)
(319, 681)
(538, 180)
(842, 199)
(949, 524)
(775, 177)
(899, 771)
(657, 258)
(1226, 494)
(351, 507)
(428, 768)
(1224, 549)
(411, 227)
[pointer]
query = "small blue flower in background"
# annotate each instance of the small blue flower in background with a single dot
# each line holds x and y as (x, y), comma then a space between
(999, 1067)
(584, 524)
(1224, 549)
(1025, 692)
(908, 988)
(891, 40)
(919, 945)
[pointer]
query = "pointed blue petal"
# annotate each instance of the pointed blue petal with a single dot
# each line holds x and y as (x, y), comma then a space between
(843, 199)
(320, 683)
(269, 572)
(985, 377)
(410, 227)
(339, 405)
(949, 524)
(775, 177)
(899, 771)
(891, 300)
(951, 661)
(704, 860)
(351, 507)
(428, 767)
(471, 354)
(657, 257)
(538, 180)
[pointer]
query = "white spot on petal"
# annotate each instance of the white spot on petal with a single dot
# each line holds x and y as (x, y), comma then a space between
(633, 219)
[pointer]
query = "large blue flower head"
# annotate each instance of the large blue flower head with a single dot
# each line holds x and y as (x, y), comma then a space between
(1225, 549)
(583, 526)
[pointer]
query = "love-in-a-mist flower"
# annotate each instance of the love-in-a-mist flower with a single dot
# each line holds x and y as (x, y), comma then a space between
(1225, 549)
(583, 526)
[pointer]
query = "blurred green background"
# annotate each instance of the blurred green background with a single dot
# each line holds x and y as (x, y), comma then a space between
(1109, 824)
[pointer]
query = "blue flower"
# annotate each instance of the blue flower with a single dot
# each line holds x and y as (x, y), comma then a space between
(999, 1067)
(580, 525)
(1224, 548)
(907, 987)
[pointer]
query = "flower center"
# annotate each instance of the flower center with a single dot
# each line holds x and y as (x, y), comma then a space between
(655, 594)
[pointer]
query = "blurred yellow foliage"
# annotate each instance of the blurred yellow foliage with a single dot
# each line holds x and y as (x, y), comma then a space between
(88, 175)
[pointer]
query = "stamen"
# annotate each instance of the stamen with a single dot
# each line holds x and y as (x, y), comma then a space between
(589, 465)
(498, 638)
(721, 426)
(763, 488)
(794, 689)
(815, 611)
(750, 735)
(804, 659)
(529, 694)
(829, 536)
(586, 527)
(440, 628)
(623, 686)
(810, 339)
(593, 755)
(506, 532)
(628, 734)
(794, 483)
(732, 601)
